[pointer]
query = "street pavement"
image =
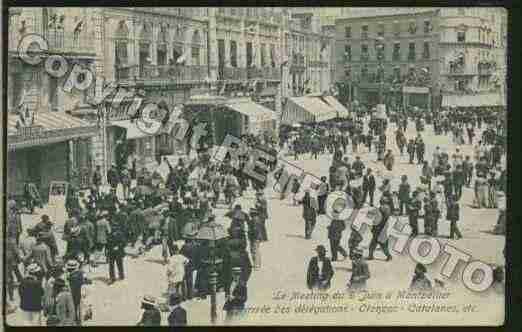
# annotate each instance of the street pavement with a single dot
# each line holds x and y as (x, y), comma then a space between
(285, 258)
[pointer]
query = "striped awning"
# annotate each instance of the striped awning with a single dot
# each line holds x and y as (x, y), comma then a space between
(47, 128)
(254, 111)
(307, 109)
(342, 111)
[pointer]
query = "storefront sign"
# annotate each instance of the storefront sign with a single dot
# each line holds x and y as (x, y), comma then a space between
(415, 89)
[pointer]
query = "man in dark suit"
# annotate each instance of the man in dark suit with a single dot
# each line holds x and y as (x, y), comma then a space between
(320, 271)
(116, 253)
(368, 186)
(383, 213)
(113, 177)
(335, 233)
(178, 315)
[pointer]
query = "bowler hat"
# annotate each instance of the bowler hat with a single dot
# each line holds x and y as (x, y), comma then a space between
(320, 249)
(421, 268)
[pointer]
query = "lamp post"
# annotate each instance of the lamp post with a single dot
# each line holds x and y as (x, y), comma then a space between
(212, 232)
(379, 45)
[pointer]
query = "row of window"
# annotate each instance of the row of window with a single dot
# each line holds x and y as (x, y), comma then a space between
(412, 29)
(380, 52)
(122, 57)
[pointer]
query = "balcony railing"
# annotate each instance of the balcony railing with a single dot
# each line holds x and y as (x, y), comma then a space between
(234, 74)
(271, 73)
(459, 71)
(253, 72)
(170, 72)
(365, 56)
(485, 70)
(60, 42)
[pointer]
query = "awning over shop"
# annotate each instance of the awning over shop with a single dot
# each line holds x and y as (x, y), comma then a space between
(256, 112)
(259, 117)
(48, 128)
(478, 100)
(307, 109)
(133, 131)
(268, 92)
(342, 111)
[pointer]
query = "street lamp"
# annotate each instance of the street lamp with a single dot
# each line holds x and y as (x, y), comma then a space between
(379, 50)
(212, 232)
(209, 83)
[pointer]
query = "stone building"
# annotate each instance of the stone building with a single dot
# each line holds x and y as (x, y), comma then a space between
(165, 55)
(45, 143)
(452, 51)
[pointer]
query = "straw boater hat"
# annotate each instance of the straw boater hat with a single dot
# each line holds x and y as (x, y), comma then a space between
(357, 252)
(75, 230)
(72, 265)
(33, 268)
(149, 299)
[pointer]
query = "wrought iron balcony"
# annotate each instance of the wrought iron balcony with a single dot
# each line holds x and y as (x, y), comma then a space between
(234, 74)
(61, 42)
(167, 72)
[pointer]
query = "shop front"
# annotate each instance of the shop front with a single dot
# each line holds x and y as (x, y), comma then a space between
(257, 119)
(419, 97)
(46, 150)
(130, 145)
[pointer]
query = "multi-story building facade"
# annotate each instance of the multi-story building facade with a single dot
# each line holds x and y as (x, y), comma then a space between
(167, 55)
(451, 51)
(470, 53)
(45, 143)
(377, 51)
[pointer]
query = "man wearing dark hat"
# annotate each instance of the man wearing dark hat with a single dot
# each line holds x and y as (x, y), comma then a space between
(74, 243)
(414, 207)
(383, 213)
(262, 208)
(115, 254)
(41, 254)
(190, 249)
(419, 281)
(254, 237)
(368, 186)
(320, 271)
(404, 194)
(309, 214)
(410, 148)
(178, 315)
(360, 271)
(239, 218)
(235, 304)
(44, 227)
(113, 177)
(335, 233)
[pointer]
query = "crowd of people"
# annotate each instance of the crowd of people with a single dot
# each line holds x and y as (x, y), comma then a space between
(435, 200)
(169, 211)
